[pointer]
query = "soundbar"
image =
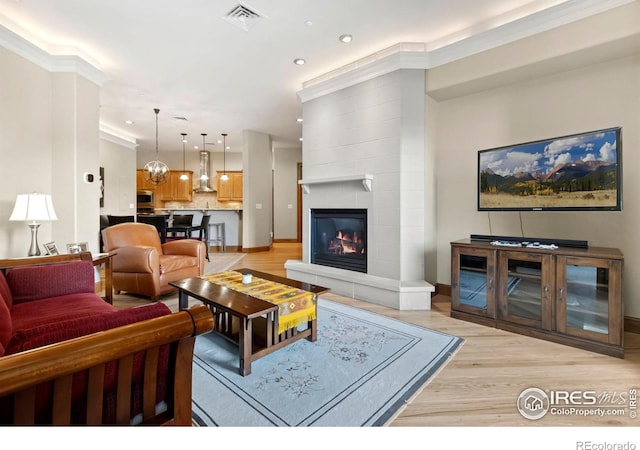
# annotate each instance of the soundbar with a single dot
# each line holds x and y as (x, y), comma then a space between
(545, 241)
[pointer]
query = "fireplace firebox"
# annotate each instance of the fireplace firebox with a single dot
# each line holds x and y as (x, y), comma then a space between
(339, 238)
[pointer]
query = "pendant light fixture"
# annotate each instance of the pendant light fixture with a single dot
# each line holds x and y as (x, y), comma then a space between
(204, 174)
(224, 176)
(184, 176)
(155, 172)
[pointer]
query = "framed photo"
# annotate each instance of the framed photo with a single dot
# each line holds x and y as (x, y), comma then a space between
(51, 248)
(77, 247)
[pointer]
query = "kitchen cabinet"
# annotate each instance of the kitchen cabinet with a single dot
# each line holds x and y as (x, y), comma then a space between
(568, 295)
(176, 189)
(231, 189)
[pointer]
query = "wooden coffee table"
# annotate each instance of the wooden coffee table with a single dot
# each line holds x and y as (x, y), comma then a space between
(250, 322)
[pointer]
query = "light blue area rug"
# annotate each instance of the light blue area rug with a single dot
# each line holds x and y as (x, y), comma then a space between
(360, 372)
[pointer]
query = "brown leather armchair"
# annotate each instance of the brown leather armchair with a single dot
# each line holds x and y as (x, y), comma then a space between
(142, 265)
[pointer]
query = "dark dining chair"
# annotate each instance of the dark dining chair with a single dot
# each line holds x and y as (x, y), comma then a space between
(183, 225)
(115, 220)
(180, 226)
(157, 220)
(203, 232)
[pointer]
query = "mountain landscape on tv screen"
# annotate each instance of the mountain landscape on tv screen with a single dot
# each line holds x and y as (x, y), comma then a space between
(578, 171)
(569, 177)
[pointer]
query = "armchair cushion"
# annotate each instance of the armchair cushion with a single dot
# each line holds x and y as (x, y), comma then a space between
(141, 259)
(171, 263)
(38, 282)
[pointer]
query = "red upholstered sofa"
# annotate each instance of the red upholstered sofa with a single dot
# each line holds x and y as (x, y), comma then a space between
(101, 361)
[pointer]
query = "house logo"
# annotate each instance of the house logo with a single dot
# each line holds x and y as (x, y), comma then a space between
(533, 403)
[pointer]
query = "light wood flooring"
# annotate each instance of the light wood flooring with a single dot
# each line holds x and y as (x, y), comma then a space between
(481, 383)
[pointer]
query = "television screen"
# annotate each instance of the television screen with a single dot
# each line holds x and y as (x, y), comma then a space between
(581, 172)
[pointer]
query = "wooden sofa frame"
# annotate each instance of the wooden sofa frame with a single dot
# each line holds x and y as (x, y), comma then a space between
(21, 373)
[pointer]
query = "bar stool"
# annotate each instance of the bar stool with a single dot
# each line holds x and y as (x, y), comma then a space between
(219, 236)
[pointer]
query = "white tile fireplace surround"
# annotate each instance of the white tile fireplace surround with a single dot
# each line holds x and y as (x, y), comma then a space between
(364, 148)
(382, 284)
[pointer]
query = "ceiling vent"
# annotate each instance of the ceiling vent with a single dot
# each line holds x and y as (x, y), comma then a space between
(243, 17)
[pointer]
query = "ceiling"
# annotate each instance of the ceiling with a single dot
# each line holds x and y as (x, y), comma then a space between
(182, 57)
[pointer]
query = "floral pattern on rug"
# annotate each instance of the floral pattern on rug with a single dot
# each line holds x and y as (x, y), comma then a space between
(352, 342)
(292, 377)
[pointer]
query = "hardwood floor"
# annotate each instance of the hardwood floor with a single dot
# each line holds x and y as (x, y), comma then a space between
(481, 383)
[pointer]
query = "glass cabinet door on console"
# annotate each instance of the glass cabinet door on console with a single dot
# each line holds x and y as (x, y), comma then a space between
(525, 294)
(472, 281)
(586, 298)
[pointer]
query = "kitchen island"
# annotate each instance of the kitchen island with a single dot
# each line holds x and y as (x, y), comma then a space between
(232, 218)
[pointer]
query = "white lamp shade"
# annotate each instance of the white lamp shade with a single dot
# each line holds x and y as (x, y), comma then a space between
(32, 207)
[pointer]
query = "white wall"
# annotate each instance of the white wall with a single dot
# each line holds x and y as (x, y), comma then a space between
(257, 189)
(119, 162)
(285, 192)
(25, 146)
(597, 96)
(48, 140)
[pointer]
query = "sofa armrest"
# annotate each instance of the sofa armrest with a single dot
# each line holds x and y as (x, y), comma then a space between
(138, 259)
(22, 374)
(189, 247)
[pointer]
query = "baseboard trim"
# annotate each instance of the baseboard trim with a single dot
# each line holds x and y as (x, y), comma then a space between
(228, 249)
(256, 249)
(632, 324)
(443, 289)
(286, 241)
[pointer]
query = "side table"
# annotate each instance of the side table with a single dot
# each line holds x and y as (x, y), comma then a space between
(106, 259)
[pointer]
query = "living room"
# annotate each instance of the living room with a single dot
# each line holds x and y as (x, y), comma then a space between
(577, 77)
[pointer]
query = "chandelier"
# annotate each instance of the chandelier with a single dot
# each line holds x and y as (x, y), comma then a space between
(156, 171)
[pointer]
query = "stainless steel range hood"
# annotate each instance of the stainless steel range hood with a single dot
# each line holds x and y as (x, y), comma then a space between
(205, 170)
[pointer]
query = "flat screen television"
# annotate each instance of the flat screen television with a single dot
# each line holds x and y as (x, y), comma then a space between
(580, 172)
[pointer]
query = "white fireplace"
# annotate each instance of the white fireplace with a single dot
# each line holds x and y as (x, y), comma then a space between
(364, 148)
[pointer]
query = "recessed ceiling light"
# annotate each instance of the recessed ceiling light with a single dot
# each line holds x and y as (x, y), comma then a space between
(299, 61)
(129, 122)
(300, 139)
(308, 23)
(345, 38)
(299, 119)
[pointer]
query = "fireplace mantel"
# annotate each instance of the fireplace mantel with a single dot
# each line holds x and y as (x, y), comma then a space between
(366, 179)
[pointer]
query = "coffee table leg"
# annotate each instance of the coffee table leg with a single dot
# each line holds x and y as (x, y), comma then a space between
(244, 341)
(314, 330)
(183, 300)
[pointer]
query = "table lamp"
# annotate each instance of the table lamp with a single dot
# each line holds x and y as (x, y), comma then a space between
(30, 208)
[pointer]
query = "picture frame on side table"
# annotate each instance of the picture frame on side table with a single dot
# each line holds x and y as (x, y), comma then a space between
(77, 247)
(52, 248)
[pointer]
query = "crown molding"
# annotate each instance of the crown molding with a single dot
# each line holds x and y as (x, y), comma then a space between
(112, 137)
(350, 77)
(51, 63)
(399, 57)
(545, 20)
